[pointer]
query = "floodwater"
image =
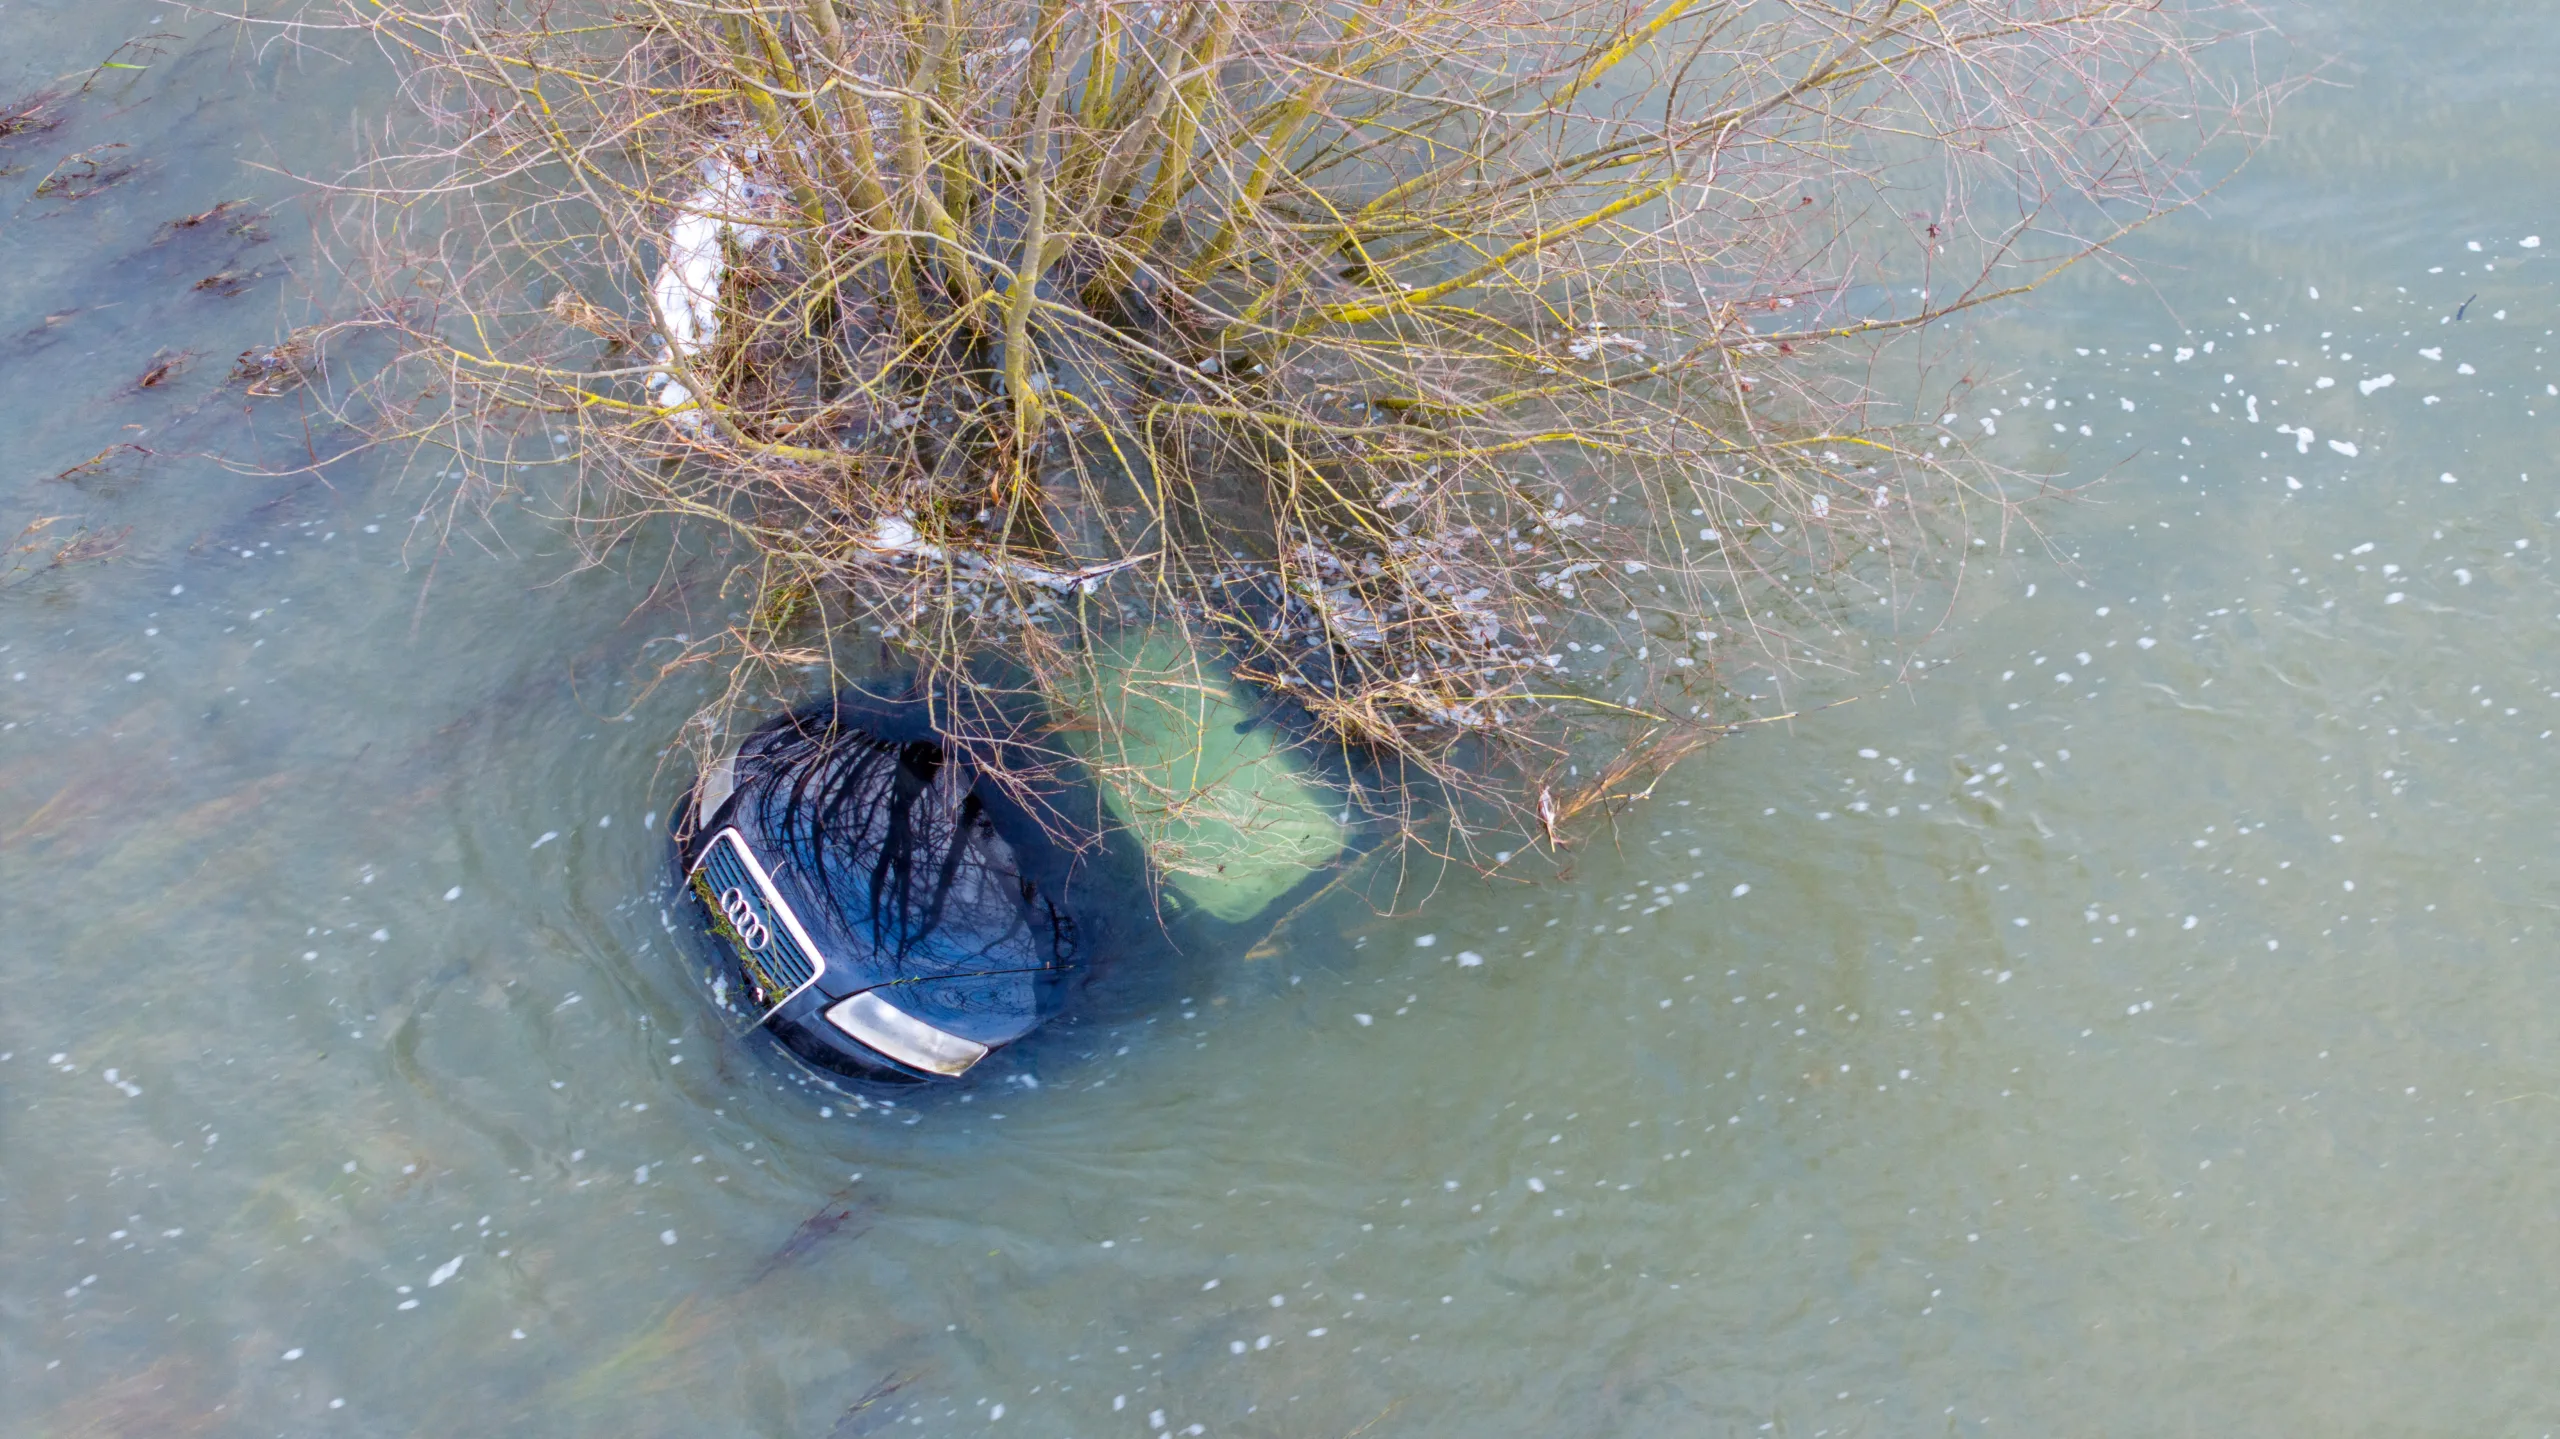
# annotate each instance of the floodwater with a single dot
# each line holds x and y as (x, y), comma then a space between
(2145, 1024)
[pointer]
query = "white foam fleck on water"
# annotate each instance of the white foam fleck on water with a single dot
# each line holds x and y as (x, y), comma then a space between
(2378, 382)
(548, 836)
(1469, 959)
(1425, 941)
(2447, 478)
(1364, 1020)
(453, 894)
(2530, 242)
(1740, 890)
(667, 1237)
(2344, 447)
(445, 1271)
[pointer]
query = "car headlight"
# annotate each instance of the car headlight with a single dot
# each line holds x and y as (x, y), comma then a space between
(718, 783)
(903, 1037)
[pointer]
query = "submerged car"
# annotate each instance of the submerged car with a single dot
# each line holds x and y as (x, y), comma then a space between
(890, 915)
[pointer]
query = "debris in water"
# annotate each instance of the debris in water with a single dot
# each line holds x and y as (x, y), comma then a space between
(872, 1411)
(165, 366)
(895, 535)
(79, 176)
(83, 545)
(687, 290)
(29, 115)
(572, 309)
(226, 283)
(205, 217)
(271, 370)
(815, 1230)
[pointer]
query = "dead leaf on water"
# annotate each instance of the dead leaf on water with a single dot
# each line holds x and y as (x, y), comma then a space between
(165, 366)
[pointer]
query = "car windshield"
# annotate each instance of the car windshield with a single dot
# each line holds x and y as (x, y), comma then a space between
(902, 858)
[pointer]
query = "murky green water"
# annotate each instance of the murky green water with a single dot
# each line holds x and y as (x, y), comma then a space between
(2147, 1024)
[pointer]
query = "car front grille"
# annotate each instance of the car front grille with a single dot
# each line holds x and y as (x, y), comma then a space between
(775, 955)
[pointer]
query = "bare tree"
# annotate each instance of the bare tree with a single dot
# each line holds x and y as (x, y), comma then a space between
(1474, 373)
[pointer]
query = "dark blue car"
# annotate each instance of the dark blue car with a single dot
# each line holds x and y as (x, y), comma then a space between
(890, 914)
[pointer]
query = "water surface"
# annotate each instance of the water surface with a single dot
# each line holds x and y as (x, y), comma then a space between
(2143, 1024)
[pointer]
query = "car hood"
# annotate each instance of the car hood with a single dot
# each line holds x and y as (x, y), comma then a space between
(890, 857)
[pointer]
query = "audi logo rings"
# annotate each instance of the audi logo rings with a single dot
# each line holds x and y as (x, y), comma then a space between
(741, 914)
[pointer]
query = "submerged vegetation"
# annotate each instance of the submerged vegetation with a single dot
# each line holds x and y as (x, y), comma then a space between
(1472, 374)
